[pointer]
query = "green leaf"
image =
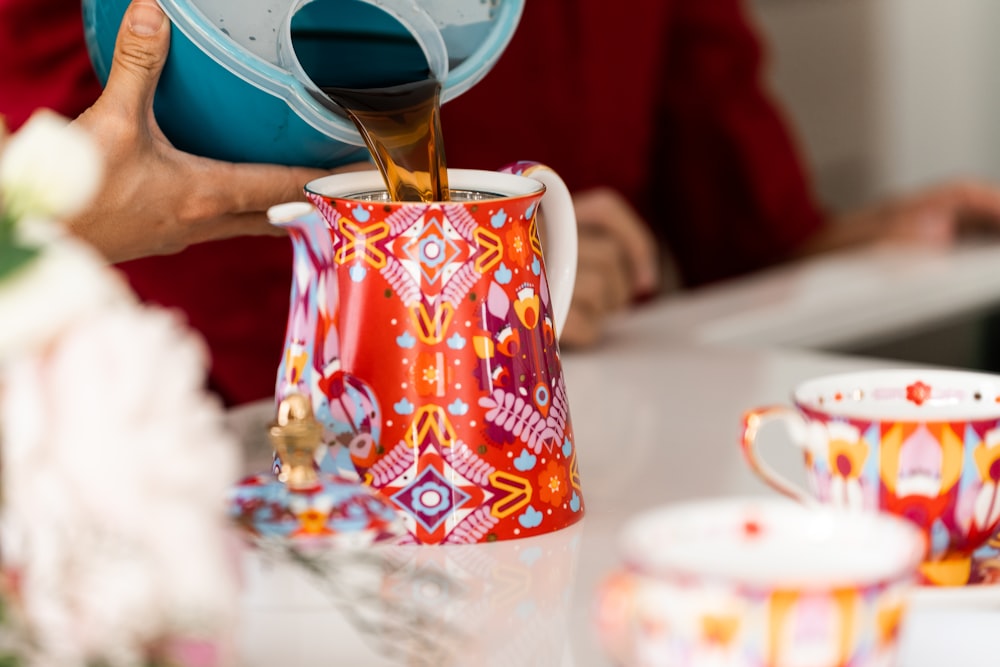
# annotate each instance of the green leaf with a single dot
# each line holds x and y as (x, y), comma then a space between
(7, 221)
(14, 257)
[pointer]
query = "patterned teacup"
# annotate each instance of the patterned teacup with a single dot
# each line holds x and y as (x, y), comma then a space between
(759, 582)
(922, 444)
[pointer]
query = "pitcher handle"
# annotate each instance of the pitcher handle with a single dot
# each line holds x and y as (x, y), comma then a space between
(560, 240)
(756, 419)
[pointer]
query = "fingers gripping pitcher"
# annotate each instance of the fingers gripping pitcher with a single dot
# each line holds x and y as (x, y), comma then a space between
(426, 334)
(241, 81)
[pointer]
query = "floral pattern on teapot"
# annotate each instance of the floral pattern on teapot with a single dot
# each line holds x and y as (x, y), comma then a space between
(424, 333)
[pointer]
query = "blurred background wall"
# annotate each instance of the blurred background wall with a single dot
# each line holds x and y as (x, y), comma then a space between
(886, 96)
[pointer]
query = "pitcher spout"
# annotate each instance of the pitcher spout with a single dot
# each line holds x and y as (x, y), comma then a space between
(311, 342)
(294, 215)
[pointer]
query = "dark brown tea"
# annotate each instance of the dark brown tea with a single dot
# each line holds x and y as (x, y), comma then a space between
(385, 87)
(401, 126)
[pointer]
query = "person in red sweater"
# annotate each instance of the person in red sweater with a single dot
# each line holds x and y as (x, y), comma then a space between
(657, 112)
(661, 127)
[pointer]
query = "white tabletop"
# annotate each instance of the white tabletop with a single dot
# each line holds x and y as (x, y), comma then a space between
(656, 413)
(836, 300)
(654, 423)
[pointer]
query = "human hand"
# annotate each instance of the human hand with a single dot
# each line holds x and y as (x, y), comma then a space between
(618, 263)
(156, 199)
(933, 216)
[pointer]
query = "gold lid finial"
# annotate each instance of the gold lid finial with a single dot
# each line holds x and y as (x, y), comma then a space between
(296, 436)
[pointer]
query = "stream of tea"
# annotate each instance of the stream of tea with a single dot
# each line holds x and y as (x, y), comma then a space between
(398, 113)
(401, 126)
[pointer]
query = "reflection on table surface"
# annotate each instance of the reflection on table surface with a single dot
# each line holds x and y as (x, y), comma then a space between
(654, 423)
(505, 603)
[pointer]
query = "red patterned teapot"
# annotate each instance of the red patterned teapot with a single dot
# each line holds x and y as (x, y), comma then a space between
(426, 335)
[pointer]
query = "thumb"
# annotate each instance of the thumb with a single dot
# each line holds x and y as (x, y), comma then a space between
(140, 51)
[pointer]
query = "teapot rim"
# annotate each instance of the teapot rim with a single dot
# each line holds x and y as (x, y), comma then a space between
(498, 186)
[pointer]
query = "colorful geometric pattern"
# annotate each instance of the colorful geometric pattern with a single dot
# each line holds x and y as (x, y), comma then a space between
(336, 510)
(423, 332)
(692, 620)
(943, 474)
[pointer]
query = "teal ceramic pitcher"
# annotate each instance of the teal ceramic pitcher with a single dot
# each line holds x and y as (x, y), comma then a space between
(235, 85)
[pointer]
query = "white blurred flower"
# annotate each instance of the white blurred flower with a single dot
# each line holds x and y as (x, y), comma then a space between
(67, 281)
(49, 168)
(116, 462)
(116, 465)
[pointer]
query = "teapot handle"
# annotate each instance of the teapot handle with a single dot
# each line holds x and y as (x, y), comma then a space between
(560, 237)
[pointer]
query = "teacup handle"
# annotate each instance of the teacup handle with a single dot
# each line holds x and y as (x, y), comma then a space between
(753, 421)
(560, 236)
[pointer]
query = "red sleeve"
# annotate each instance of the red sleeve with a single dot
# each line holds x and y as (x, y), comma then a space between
(573, 90)
(669, 110)
(43, 60)
(733, 193)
